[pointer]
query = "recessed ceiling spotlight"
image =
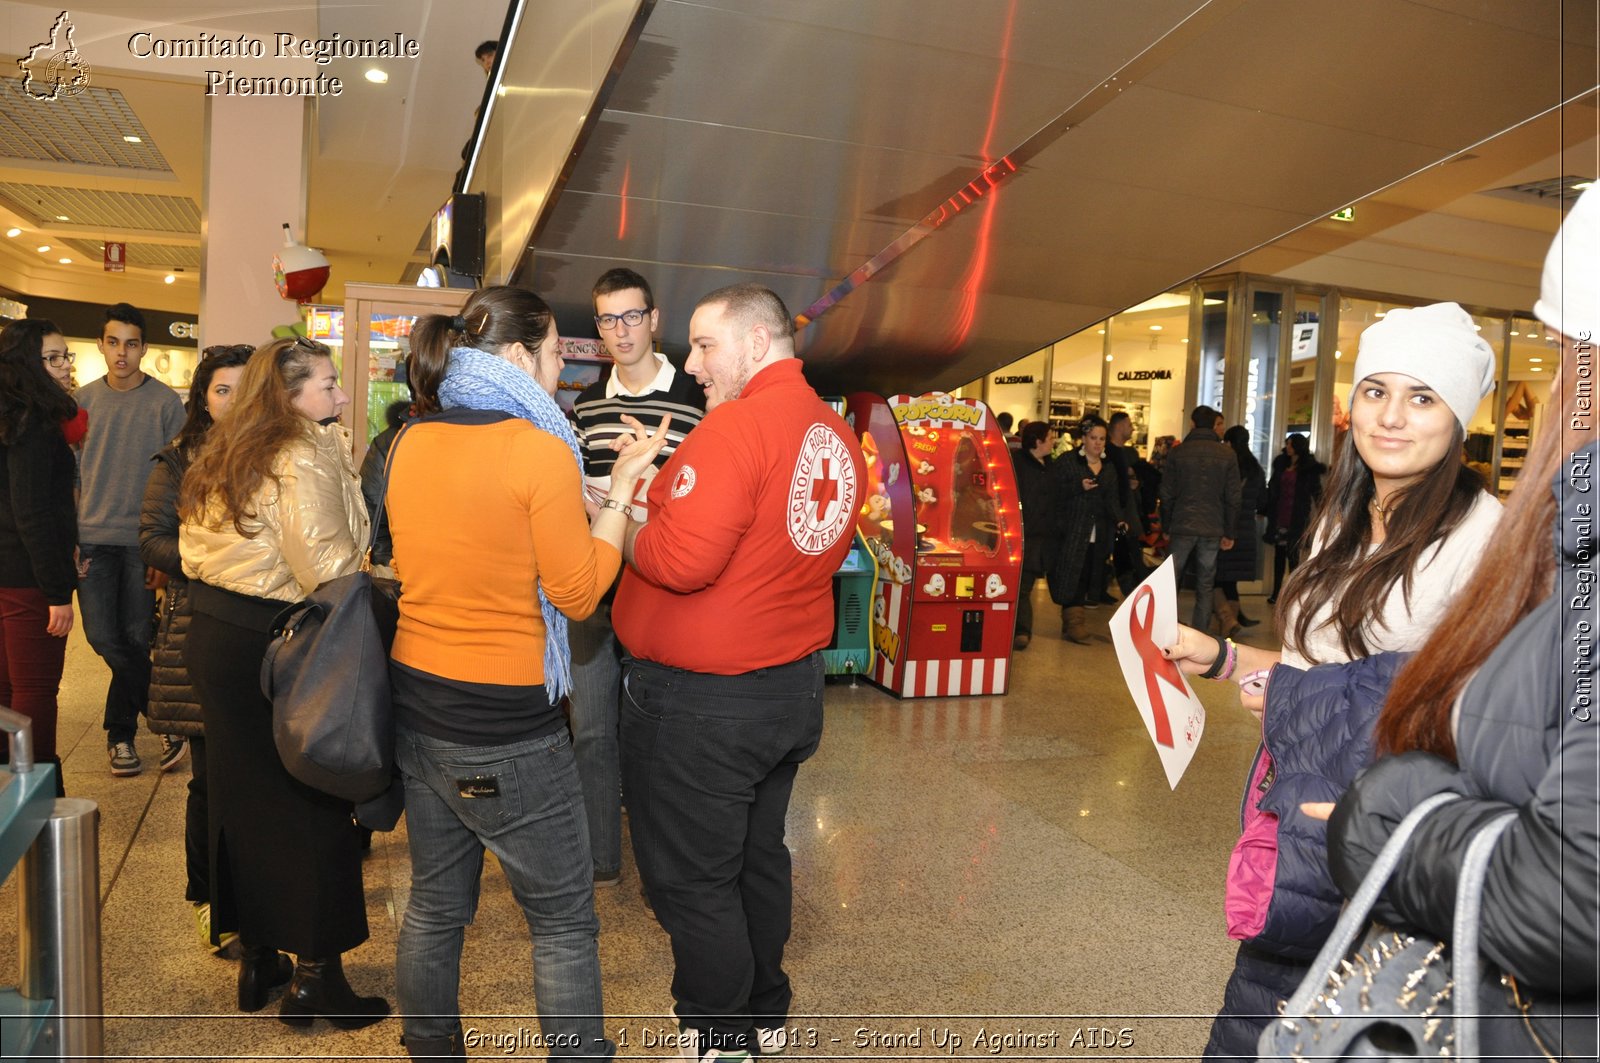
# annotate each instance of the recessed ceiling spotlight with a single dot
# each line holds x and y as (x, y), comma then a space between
(1380, 313)
(62, 217)
(43, 248)
(1536, 369)
(13, 232)
(65, 261)
(1108, 358)
(1155, 328)
(1514, 332)
(131, 139)
(1184, 340)
(1338, 355)
(168, 279)
(1477, 328)
(1581, 185)
(377, 77)
(1535, 360)
(1099, 332)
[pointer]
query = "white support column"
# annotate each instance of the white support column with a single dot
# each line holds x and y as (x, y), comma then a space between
(257, 177)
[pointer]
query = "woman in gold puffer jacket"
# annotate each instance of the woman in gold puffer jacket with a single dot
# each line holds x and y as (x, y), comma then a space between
(272, 509)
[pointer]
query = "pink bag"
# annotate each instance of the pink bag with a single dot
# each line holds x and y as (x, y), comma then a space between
(1253, 867)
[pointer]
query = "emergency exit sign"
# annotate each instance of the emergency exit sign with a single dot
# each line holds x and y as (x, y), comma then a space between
(1347, 214)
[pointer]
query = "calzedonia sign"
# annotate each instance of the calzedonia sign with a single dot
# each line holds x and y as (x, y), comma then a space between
(1144, 374)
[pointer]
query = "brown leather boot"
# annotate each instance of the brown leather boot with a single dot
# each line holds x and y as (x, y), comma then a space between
(1075, 624)
(1227, 612)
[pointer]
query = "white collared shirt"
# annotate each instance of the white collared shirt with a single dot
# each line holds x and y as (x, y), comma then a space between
(660, 382)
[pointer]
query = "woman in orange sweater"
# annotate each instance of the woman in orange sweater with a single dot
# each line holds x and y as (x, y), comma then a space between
(494, 553)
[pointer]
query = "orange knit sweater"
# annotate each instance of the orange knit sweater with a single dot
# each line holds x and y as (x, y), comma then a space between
(478, 514)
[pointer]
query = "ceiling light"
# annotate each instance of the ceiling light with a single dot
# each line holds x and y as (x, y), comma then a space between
(1477, 328)
(1380, 313)
(13, 232)
(1338, 355)
(1514, 332)
(1535, 360)
(168, 279)
(1184, 340)
(131, 139)
(1099, 332)
(1581, 185)
(1108, 358)
(1155, 328)
(43, 248)
(1536, 369)
(62, 217)
(377, 77)
(65, 261)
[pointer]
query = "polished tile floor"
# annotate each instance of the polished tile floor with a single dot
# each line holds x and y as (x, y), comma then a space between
(1004, 876)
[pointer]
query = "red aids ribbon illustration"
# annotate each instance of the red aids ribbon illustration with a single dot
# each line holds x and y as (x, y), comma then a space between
(1156, 667)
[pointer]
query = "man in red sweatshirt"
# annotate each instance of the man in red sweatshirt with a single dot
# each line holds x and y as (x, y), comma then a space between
(728, 598)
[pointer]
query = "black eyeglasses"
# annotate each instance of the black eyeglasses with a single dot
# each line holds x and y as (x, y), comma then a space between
(56, 361)
(631, 318)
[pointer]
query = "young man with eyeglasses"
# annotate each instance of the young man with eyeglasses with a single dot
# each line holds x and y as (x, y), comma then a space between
(644, 385)
(131, 417)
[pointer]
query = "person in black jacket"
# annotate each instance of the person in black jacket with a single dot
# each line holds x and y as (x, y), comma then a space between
(372, 467)
(1239, 563)
(174, 709)
(1091, 517)
(38, 527)
(1292, 496)
(1040, 535)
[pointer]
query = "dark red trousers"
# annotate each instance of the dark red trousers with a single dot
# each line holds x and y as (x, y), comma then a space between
(31, 660)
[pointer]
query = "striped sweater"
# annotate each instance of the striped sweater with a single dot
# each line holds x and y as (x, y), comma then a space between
(599, 418)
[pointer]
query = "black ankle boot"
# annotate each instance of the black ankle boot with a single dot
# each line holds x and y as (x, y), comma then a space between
(319, 988)
(261, 970)
(451, 1047)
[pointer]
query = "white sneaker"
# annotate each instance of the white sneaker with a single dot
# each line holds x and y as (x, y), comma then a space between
(772, 1042)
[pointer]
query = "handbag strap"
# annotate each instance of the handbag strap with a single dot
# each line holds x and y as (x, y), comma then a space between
(1355, 914)
(1464, 942)
(458, 415)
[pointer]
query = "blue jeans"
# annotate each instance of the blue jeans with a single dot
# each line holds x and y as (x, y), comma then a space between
(596, 682)
(118, 615)
(1204, 548)
(526, 809)
(708, 763)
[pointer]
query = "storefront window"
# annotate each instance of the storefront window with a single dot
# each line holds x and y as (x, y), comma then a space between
(1075, 379)
(1264, 336)
(1213, 346)
(1535, 353)
(1481, 426)
(1148, 355)
(1018, 389)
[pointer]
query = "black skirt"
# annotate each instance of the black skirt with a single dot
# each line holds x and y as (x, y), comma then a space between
(285, 858)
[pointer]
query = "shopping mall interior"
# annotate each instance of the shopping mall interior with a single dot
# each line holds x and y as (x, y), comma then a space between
(1053, 206)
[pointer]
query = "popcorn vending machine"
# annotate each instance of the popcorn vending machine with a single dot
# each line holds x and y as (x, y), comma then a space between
(942, 519)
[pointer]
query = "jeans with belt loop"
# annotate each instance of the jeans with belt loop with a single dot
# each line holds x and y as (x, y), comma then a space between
(522, 802)
(708, 764)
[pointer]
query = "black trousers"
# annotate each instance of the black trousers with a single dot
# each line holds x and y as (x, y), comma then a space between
(708, 764)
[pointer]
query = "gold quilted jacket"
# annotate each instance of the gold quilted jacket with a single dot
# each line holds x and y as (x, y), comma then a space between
(311, 531)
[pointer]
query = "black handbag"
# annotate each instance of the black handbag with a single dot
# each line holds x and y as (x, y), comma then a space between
(1396, 996)
(326, 672)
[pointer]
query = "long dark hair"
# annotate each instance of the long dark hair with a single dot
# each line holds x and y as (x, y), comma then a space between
(199, 420)
(1238, 437)
(242, 449)
(1343, 573)
(27, 391)
(1516, 574)
(493, 318)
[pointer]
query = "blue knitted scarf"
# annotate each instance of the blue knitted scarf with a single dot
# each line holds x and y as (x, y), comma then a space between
(478, 380)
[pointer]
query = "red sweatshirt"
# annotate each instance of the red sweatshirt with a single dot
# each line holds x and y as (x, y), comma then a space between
(749, 521)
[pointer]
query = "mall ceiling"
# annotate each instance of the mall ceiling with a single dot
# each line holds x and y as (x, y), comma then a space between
(943, 186)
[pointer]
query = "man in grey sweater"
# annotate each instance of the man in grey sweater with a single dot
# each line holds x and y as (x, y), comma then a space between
(131, 417)
(1199, 501)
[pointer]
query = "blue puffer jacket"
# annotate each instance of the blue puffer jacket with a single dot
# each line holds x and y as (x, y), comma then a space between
(1318, 730)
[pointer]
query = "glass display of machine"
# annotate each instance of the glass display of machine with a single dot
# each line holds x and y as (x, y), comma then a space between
(942, 520)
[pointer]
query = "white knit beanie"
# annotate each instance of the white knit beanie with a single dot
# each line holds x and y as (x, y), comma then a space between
(1437, 345)
(1569, 293)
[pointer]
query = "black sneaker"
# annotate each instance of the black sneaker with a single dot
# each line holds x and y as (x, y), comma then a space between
(173, 749)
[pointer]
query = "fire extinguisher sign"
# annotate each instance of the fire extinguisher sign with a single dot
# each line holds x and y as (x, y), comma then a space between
(116, 257)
